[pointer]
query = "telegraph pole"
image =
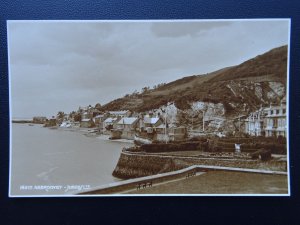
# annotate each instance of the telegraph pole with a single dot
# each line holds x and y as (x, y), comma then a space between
(202, 120)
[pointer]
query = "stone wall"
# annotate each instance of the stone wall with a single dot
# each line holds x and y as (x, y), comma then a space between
(133, 165)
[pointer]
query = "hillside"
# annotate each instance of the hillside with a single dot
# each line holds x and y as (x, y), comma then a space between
(240, 89)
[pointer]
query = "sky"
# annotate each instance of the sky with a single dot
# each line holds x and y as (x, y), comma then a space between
(61, 65)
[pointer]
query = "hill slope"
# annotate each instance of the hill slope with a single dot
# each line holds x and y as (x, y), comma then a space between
(242, 88)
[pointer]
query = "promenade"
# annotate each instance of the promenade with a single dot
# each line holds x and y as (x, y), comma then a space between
(221, 182)
(200, 180)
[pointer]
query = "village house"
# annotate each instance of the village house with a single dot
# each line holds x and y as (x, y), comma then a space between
(75, 124)
(110, 123)
(128, 126)
(99, 119)
(83, 108)
(51, 122)
(276, 120)
(161, 133)
(122, 113)
(255, 122)
(149, 124)
(88, 112)
(87, 123)
(86, 115)
(177, 133)
(171, 133)
(270, 121)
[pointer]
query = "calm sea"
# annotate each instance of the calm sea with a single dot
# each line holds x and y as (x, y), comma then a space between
(54, 162)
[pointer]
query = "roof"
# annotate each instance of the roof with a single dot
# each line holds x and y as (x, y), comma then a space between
(118, 112)
(161, 126)
(110, 120)
(128, 120)
(275, 107)
(99, 116)
(85, 120)
(151, 120)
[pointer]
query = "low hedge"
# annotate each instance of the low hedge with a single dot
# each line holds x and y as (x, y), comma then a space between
(275, 148)
(235, 140)
(214, 145)
(170, 147)
(219, 149)
(263, 154)
(279, 140)
(225, 144)
(200, 139)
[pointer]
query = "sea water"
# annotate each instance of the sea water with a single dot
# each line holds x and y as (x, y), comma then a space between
(57, 162)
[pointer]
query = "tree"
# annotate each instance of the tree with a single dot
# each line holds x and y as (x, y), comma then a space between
(145, 89)
(77, 117)
(60, 115)
(98, 106)
(71, 115)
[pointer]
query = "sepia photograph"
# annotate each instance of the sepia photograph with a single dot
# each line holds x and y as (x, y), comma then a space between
(149, 107)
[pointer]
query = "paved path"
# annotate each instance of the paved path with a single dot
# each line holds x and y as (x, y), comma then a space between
(161, 183)
(223, 183)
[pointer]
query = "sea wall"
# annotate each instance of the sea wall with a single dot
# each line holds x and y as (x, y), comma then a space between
(133, 165)
(122, 187)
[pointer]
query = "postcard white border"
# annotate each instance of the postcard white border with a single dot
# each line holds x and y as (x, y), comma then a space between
(151, 195)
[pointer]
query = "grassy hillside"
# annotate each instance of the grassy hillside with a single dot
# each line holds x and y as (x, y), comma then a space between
(272, 63)
(250, 84)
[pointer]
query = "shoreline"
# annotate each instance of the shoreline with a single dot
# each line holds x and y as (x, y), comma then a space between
(168, 162)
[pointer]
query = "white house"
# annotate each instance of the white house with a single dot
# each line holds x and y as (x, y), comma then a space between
(127, 123)
(150, 123)
(128, 126)
(276, 120)
(254, 123)
(270, 121)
